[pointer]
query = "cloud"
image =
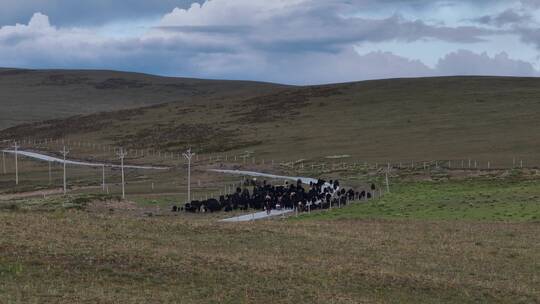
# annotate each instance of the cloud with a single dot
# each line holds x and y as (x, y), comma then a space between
(529, 35)
(465, 62)
(507, 17)
(292, 41)
(532, 4)
(39, 41)
(86, 12)
(92, 12)
(347, 65)
(519, 20)
(294, 22)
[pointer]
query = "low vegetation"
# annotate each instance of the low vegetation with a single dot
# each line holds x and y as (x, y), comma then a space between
(56, 203)
(488, 119)
(447, 240)
(73, 256)
(36, 95)
(476, 199)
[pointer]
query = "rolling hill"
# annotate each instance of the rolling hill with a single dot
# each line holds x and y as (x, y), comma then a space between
(487, 118)
(35, 95)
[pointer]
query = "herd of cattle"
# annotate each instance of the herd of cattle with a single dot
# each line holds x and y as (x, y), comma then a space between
(264, 196)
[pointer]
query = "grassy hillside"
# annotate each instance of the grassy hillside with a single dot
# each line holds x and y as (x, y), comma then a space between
(72, 256)
(34, 95)
(486, 118)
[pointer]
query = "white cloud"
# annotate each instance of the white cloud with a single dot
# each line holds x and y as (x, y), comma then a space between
(39, 41)
(465, 62)
(38, 25)
(87, 12)
(348, 65)
(238, 12)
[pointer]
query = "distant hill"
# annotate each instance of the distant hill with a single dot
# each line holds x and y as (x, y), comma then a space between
(486, 118)
(35, 95)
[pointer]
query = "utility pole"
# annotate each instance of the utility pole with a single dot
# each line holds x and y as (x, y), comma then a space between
(4, 162)
(122, 155)
(188, 155)
(50, 175)
(103, 177)
(16, 148)
(387, 183)
(65, 152)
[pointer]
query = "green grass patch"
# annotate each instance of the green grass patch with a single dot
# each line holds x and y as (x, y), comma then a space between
(488, 200)
(54, 203)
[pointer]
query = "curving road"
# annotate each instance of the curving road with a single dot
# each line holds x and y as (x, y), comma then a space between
(256, 216)
(49, 158)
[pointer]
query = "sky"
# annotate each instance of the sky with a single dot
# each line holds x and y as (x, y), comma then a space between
(285, 41)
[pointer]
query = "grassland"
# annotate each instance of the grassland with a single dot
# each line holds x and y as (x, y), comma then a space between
(440, 236)
(483, 118)
(36, 95)
(443, 235)
(474, 200)
(73, 256)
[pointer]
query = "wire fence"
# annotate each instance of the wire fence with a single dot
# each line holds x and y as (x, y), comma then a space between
(202, 190)
(97, 151)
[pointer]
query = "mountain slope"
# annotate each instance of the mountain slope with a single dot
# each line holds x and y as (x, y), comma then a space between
(34, 95)
(486, 118)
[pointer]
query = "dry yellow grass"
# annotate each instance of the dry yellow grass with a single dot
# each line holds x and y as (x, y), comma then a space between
(81, 257)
